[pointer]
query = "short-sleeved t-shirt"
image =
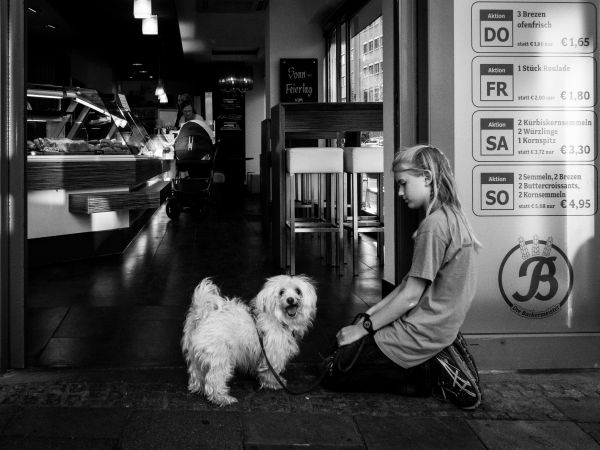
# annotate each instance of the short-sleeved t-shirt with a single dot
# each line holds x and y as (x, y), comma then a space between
(444, 255)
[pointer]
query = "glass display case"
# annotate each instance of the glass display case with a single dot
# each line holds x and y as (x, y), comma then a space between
(133, 132)
(76, 121)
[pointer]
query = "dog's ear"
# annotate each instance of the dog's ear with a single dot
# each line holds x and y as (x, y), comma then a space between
(309, 291)
(268, 291)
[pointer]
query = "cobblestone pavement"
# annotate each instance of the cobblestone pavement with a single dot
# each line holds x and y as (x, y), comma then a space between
(151, 408)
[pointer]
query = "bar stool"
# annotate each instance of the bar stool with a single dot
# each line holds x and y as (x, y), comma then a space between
(357, 161)
(314, 160)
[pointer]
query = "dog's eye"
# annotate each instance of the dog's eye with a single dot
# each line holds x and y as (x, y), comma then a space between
(281, 292)
(298, 291)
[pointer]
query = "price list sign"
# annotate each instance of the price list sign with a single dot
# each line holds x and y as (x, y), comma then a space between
(528, 27)
(530, 136)
(535, 190)
(534, 81)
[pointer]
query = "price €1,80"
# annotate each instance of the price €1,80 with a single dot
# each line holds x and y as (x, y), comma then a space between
(575, 149)
(576, 204)
(575, 42)
(575, 95)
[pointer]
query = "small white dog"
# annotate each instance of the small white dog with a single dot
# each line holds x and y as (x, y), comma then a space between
(220, 334)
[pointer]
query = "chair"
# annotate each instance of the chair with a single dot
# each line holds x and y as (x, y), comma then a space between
(358, 161)
(314, 160)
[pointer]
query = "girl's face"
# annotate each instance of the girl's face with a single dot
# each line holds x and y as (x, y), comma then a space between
(414, 186)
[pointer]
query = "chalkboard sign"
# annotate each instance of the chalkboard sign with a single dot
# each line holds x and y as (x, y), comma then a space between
(299, 81)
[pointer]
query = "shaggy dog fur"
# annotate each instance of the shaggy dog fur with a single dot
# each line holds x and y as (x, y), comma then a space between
(220, 334)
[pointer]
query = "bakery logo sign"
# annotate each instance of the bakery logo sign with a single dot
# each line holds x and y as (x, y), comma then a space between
(535, 278)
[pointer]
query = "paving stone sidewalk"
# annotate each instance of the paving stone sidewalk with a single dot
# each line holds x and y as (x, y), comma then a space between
(151, 408)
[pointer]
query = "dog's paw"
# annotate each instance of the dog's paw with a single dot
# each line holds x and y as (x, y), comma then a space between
(194, 388)
(223, 400)
(272, 383)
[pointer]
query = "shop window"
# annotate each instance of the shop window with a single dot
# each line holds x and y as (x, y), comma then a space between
(343, 65)
(331, 68)
(360, 55)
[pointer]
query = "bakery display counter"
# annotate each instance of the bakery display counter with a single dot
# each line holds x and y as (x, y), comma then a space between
(87, 206)
(92, 177)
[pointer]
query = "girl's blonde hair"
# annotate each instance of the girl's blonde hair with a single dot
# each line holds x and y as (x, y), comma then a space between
(425, 158)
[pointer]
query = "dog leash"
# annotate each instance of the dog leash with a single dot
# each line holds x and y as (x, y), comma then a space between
(325, 370)
(278, 378)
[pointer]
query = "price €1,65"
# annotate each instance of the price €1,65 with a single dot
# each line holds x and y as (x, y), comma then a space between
(575, 42)
(576, 204)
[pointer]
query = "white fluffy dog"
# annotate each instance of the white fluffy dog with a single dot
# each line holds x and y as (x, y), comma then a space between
(220, 334)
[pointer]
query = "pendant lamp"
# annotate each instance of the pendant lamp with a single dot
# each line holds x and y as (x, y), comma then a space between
(150, 25)
(142, 8)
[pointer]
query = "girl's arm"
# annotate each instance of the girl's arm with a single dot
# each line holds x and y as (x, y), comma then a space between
(393, 306)
(384, 301)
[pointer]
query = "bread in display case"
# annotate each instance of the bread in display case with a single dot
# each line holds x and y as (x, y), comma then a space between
(76, 121)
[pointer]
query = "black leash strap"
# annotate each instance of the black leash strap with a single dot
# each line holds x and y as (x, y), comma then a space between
(325, 370)
(280, 381)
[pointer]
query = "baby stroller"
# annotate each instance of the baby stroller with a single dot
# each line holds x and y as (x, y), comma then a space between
(195, 168)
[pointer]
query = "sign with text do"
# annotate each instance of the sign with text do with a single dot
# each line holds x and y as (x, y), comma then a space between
(299, 81)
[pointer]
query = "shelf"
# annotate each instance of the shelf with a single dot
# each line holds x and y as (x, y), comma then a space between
(95, 202)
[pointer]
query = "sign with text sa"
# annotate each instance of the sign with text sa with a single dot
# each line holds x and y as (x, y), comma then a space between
(299, 81)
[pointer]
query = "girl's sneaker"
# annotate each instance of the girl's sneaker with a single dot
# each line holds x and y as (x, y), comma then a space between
(458, 379)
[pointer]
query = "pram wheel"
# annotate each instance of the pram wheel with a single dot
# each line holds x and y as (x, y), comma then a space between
(173, 208)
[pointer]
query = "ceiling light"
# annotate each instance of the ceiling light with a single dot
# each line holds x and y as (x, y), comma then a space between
(160, 90)
(35, 11)
(142, 9)
(90, 105)
(137, 64)
(150, 25)
(52, 27)
(44, 93)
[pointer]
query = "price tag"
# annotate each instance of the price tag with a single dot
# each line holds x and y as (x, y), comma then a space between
(530, 136)
(568, 27)
(535, 190)
(538, 82)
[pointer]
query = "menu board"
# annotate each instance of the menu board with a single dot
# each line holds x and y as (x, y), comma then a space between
(527, 115)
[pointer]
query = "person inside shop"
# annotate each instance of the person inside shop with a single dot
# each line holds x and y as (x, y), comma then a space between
(409, 342)
(189, 114)
(181, 99)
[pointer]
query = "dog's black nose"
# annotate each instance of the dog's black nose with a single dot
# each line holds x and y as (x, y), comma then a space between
(290, 301)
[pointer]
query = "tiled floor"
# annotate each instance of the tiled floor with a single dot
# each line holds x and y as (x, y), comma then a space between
(128, 310)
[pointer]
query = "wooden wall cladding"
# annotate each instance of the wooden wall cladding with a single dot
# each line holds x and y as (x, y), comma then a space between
(95, 202)
(81, 174)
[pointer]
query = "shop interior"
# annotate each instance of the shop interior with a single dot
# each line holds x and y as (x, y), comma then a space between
(112, 257)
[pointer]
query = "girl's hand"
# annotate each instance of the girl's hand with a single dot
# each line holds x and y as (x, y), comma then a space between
(350, 334)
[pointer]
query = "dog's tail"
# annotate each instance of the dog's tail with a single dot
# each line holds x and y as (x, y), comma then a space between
(207, 295)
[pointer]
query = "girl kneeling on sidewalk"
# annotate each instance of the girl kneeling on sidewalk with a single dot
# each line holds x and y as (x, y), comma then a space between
(409, 343)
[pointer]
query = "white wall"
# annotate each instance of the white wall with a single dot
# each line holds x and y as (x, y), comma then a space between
(290, 33)
(255, 114)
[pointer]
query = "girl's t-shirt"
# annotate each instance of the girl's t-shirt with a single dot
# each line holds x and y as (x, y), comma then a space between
(444, 255)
